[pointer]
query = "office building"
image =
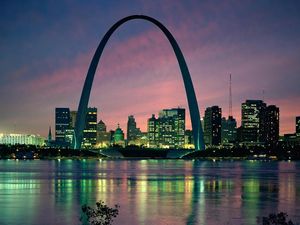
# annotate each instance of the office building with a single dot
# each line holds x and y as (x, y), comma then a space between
(228, 131)
(253, 122)
(21, 139)
(168, 130)
(272, 125)
(212, 126)
(171, 128)
(90, 130)
(62, 123)
(152, 130)
(133, 133)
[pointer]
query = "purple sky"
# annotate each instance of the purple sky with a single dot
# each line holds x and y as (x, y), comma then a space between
(46, 48)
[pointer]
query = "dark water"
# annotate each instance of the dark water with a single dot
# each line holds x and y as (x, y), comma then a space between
(152, 192)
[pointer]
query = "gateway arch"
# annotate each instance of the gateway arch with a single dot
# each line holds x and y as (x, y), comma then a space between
(188, 84)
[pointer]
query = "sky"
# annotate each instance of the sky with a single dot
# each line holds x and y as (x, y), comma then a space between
(46, 48)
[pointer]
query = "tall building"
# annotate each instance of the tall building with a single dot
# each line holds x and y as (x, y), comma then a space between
(132, 131)
(168, 130)
(152, 130)
(62, 123)
(73, 115)
(172, 128)
(90, 130)
(272, 125)
(253, 122)
(212, 126)
(298, 125)
(228, 131)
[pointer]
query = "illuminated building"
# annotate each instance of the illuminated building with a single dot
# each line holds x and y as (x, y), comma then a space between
(62, 123)
(90, 131)
(119, 137)
(190, 93)
(188, 139)
(133, 133)
(171, 128)
(212, 126)
(228, 131)
(23, 139)
(168, 130)
(142, 139)
(253, 122)
(152, 129)
(103, 137)
(272, 125)
(298, 125)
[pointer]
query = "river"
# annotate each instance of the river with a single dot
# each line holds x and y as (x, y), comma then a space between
(149, 192)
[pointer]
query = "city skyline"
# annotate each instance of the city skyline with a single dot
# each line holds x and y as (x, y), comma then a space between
(44, 68)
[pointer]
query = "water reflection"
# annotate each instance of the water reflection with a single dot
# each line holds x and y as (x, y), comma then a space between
(148, 191)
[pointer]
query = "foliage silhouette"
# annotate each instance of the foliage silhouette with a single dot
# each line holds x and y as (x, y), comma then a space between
(101, 215)
(276, 219)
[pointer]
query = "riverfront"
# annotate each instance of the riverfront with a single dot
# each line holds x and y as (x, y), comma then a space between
(148, 191)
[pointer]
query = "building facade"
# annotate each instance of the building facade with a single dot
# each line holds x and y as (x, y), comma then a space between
(62, 123)
(228, 131)
(133, 133)
(22, 139)
(90, 130)
(103, 137)
(168, 130)
(171, 128)
(272, 125)
(253, 122)
(118, 137)
(212, 126)
(152, 131)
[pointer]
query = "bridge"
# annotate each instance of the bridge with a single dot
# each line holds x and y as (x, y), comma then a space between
(160, 153)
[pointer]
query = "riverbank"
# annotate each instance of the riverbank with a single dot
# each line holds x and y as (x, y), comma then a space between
(32, 152)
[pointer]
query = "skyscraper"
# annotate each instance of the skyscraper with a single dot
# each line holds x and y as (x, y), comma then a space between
(172, 128)
(168, 130)
(298, 125)
(62, 123)
(132, 131)
(90, 131)
(212, 126)
(73, 115)
(272, 125)
(253, 122)
(152, 130)
(228, 131)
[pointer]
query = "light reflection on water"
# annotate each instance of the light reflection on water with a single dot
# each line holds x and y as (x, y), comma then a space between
(162, 192)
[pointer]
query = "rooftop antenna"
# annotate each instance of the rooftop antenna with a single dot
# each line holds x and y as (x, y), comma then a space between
(230, 97)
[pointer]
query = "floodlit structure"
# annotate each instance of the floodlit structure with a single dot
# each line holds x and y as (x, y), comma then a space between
(191, 97)
(22, 139)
